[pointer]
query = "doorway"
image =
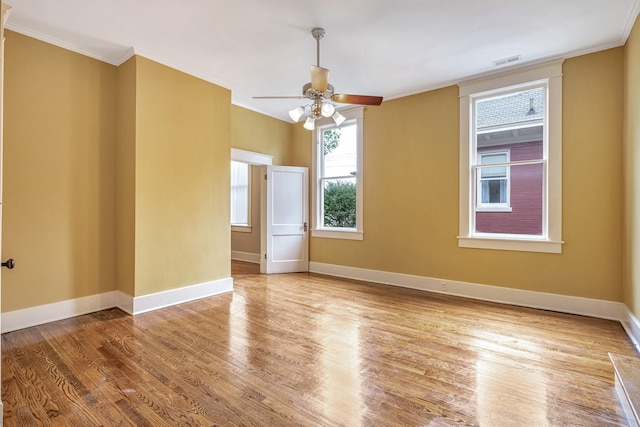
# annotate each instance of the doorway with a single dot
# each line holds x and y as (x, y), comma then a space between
(246, 237)
(270, 211)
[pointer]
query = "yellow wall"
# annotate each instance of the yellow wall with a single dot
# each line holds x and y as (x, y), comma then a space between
(77, 129)
(115, 178)
(411, 150)
(632, 173)
(60, 163)
(592, 173)
(183, 151)
(126, 169)
(300, 146)
(256, 132)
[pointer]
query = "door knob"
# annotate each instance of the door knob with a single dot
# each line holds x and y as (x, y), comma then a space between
(10, 263)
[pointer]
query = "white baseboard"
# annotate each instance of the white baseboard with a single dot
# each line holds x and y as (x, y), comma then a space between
(631, 325)
(610, 310)
(25, 318)
(124, 302)
(245, 256)
(33, 316)
(38, 315)
(562, 303)
(171, 297)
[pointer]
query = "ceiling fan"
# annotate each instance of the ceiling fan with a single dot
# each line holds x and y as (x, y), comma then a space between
(322, 94)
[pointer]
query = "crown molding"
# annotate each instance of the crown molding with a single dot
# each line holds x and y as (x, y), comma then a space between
(631, 20)
(65, 45)
(180, 67)
(6, 10)
(121, 57)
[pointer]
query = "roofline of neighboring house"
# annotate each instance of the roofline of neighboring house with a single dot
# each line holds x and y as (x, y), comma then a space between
(511, 126)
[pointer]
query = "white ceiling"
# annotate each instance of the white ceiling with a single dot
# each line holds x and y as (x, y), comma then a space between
(372, 47)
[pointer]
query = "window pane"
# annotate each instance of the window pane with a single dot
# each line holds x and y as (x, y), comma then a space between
(239, 193)
(486, 159)
(340, 151)
(338, 177)
(494, 172)
(494, 191)
(525, 202)
(339, 197)
(510, 128)
(512, 122)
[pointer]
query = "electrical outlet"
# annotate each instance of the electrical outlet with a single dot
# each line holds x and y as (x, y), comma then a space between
(444, 286)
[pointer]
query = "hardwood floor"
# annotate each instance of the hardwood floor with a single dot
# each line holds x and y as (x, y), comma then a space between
(311, 350)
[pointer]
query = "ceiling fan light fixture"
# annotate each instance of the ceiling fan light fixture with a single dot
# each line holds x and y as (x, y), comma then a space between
(328, 109)
(338, 118)
(296, 113)
(310, 123)
(322, 94)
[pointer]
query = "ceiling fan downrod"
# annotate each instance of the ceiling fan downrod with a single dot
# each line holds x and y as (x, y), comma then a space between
(317, 34)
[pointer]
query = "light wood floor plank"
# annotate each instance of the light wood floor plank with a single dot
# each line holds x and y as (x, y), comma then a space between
(311, 350)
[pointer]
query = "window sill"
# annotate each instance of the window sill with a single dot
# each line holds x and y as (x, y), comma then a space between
(494, 209)
(511, 244)
(241, 228)
(338, 234)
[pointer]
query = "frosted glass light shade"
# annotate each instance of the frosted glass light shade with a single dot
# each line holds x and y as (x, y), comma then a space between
(328, 109)
(296, 113)
(338, 118)
(309, 124)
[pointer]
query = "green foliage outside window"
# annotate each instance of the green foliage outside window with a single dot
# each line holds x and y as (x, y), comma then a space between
(331, 139)
(340, 204)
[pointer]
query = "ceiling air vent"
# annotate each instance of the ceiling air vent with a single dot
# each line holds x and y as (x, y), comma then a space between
(506, 61)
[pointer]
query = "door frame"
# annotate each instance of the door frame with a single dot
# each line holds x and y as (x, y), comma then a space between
(254, 159)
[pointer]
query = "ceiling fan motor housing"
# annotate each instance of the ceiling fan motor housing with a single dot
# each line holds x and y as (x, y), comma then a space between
(311, 93)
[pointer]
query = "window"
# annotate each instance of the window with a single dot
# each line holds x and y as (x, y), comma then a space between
(511, 161)
(337, 192)
(240, 196)
(493, 182)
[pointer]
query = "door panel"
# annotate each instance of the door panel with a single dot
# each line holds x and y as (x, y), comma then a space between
(285, 217)
(288, 248)
(285, 185)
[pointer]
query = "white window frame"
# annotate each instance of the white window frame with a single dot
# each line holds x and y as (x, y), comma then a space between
(494, 207)
(550, 76)
(253, 159)
(318, 230)
(244, 228)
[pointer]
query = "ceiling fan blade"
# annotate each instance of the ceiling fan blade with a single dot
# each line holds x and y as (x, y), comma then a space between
(278, 97)
(319, 78)
(357, 99)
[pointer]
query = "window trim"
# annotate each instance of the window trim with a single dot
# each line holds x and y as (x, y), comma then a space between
(551, 75)
(353, 114)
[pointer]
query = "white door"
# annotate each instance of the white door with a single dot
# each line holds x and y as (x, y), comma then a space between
(284, 220)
